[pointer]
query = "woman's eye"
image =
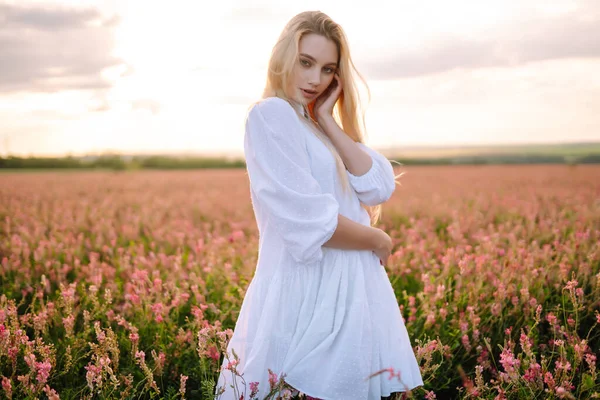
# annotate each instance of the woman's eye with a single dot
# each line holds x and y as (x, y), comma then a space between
(329, 70)
(304, 62)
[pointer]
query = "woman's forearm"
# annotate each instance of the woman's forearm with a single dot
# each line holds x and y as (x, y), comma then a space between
(351, 235)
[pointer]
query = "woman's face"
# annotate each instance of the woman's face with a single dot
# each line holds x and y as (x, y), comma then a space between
(314, 69)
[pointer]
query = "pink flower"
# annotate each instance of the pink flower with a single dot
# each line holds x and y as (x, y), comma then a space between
(236, 236)
(43, 371)
(140, 355)
(51, 393)
(93, 375)
(253, 389)
(182, 380)
(443, 313)
(213, 353)
(563, 364)
(509, 362)
(430, 319)
(197, 313)
(562, 393)
(134, 337)
(533, 372)
(7, 386)
(429, 395)
(466, 343)
(134, 298)
(571, 285)
(272, 379)
(68, 323)
(549, 380)
(231, 365)
(157, 309)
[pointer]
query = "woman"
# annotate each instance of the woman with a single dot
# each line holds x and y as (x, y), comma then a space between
(320, 312)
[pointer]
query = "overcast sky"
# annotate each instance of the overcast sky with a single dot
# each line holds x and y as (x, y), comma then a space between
(141, 76)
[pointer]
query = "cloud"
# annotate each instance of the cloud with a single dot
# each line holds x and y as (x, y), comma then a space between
(268, 13)
(47, 49)
(532, 38)
(146, 104)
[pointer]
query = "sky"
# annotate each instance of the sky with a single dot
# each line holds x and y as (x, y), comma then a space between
(131, 76)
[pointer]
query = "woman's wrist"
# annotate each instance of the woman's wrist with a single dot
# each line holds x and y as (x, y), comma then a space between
(324, 121)
(374, 242)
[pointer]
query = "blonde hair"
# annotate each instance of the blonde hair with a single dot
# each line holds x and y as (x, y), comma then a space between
(283, 58)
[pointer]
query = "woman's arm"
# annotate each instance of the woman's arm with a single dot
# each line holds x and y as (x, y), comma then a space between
(351, 235)
(356, 160)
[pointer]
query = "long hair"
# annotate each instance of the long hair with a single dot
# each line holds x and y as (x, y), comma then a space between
(285, 54)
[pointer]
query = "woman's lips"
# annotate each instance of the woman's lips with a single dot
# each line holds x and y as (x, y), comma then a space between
(308, 93)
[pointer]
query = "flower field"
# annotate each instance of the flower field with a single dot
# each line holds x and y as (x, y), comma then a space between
(128, 284)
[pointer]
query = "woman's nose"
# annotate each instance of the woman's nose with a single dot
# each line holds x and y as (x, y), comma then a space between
(314, 78)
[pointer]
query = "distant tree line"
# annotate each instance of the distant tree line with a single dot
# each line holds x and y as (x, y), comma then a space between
(117, 162)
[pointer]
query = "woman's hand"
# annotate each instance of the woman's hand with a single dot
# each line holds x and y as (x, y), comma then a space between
(323, 107)
(383, 246)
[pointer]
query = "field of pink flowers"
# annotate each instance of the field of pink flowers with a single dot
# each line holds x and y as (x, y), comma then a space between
(127, 285)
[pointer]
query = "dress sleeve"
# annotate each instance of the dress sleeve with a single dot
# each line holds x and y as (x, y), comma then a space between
(377, 185)
(279, 172)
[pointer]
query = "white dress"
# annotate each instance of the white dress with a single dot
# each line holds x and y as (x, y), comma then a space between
(327, 318)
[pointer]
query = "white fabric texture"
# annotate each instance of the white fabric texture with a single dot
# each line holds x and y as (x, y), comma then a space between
(326, 318)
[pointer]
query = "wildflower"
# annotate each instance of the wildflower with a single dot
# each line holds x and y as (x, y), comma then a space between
(496, 309)
(549, 380)
(563, 364)
(231, 365)
(43, 371)
(51, 393)
(253, 389)
(157, 309)
(509, 363)
(93, 376)
(213, 353)
(7, 386)
(430, 319)
(465, 342)
(272, 379)
(140, 355)
(571, 285)
(533, 372)
(134, 337)
(68, 323)
(236, 236)
(429, 395)
(197, 313)
(533, 302)
(525, 343)
(443, 313)
(182, 380)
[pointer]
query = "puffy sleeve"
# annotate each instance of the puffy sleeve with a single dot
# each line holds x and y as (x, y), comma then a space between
(377, 185)
(279, 173)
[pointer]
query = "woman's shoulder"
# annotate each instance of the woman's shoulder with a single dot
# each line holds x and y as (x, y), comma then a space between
(273, 107)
